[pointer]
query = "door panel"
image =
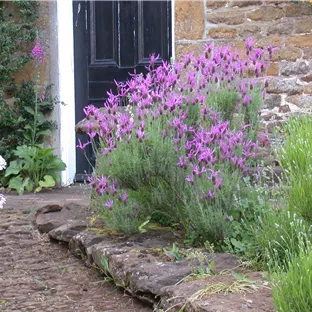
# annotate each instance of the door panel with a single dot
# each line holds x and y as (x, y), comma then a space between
(113, 39)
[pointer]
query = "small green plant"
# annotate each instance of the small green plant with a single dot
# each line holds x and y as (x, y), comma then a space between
(35, 168)
(17, 120)
(106, 270)
(174, 254)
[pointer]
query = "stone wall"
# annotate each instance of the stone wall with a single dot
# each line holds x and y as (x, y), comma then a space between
(284, 24)
(28, 73)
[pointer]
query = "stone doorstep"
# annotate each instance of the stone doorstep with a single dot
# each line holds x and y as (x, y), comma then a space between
(135, 266)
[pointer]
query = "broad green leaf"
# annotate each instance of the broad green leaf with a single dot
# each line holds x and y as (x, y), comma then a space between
(38, 189)
(29, 110)
(28, 127)
(43, 132)
(27, 135)
(47, 181)
(14, 169)
(16, 183)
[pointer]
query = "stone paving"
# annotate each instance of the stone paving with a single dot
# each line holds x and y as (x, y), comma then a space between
(39, 275)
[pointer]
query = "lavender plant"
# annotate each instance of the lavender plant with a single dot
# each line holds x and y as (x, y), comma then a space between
(179, 150)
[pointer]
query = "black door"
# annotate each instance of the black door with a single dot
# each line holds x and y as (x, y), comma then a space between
(111, 40)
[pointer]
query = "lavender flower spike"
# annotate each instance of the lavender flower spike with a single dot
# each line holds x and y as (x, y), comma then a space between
(38, 52)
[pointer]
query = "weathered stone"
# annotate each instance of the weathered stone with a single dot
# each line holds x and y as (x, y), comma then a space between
(273, 69)
(81, 244)
(303, 25)
(144, 274)
(215, 4)
(266, 13)
(186, 296)
(288, 86)
(288, 54)
(234, 17)
(307, 78)
(249, 30)
(282, 28)
(222, 32)
(276, 1)
(268, 116)
(284, 109)
(65, 232)
(269, 40)
(47, 220)
(183, 49)
(296, 68)
(275, 126)
(189, 20)
(272, 100)
(299, 100)
(244, 3)
(307, 53)
(308, 88)
(301, 41)
(298, 9)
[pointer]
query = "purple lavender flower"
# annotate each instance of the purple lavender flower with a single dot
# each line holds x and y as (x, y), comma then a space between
(38, 52)
(82, 146)
(109, 204)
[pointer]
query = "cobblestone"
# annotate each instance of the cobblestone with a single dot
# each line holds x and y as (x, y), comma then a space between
(39, 275)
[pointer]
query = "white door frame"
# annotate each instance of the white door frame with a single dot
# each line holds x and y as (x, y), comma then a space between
(66, 85)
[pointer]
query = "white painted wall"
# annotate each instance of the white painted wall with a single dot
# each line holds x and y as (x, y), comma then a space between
(66, 89)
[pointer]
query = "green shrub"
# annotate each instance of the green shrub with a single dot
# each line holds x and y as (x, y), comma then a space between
(182, 154)
(35, 168)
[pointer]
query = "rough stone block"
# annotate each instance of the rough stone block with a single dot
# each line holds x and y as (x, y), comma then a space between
(303, 25)
(232, 17)
(288, 86)
(222, 32)
(269, 40)
(301, 41)
(272, 100)
(294, 68)
(189, 20)
(266, 13)
(216, 4)
(307, 78)
(249, 30)
(276, 1)
(273, 69)
(298, 9)
(307, 53)
(288, 54)
(299, 100)
(244, 3)
(183, 49)
(282, 28)
(308, 88)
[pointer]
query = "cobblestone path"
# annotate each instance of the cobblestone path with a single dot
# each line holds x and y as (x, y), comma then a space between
(37, 275)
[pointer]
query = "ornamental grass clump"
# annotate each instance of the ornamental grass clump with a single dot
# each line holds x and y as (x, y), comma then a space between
(295, 158)
(292, 287)
(179, 149)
